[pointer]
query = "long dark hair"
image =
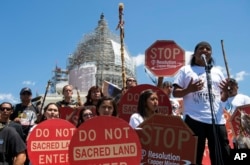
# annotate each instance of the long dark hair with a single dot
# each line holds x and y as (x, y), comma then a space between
(142, 103)
(80, 119)
(44, 110)
(89, 101)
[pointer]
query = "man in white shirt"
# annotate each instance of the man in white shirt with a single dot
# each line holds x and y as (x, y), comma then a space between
(167, 88)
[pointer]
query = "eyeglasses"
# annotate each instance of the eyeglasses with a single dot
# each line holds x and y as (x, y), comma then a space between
(88, 114)
(3, 108)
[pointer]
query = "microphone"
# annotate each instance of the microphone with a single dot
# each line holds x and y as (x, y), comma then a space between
(203, 57)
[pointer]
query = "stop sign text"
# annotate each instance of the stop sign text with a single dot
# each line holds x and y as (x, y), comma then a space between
(164, 58)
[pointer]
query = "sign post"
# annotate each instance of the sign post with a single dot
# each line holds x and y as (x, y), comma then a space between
(164, 58)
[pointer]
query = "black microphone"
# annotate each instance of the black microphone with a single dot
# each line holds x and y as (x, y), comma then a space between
(203, 57)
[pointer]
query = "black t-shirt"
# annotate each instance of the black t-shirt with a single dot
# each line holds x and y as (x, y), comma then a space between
(10, 145)
(18, 128)
(19, 108)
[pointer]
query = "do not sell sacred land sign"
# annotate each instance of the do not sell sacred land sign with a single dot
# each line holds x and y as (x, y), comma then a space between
(48, 142)
(105, 140)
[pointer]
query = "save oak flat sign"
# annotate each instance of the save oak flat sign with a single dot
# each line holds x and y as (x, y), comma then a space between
(164, 58)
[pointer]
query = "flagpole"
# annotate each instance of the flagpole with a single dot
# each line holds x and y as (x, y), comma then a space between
(225, 60)
(121, 27)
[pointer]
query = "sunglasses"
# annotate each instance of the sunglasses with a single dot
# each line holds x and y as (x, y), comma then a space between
(88, 114)
(3, 108)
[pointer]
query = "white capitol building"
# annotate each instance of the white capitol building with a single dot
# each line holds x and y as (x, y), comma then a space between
(96, 58)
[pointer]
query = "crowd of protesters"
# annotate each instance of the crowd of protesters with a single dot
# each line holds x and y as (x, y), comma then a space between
(190, 84)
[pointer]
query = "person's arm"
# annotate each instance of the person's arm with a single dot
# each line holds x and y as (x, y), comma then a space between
(160, 82)
(224, 96)
(192, 87)
(20, 158)
(74, 112)
(180, 92)
(224, 90)
(135, 120)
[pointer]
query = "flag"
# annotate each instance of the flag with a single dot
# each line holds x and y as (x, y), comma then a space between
(110, 89)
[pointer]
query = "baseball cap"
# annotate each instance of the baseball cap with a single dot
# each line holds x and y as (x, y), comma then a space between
(26, 89)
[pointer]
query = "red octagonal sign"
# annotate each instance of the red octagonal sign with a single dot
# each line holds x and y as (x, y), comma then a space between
(164, 58)
(166, 140)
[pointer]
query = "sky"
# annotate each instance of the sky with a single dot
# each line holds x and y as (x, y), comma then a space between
(35, 36)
